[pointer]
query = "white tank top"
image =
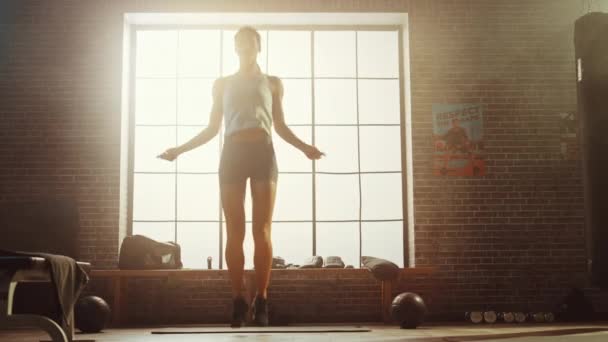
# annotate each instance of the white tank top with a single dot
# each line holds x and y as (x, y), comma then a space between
(247, 103)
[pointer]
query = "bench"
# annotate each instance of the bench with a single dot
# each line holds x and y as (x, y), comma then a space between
(29, 269)
(118, 279)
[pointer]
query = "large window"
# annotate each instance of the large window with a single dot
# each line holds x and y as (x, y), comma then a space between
(342, 93)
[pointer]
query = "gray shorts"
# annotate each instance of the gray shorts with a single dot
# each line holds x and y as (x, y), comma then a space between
(245, 159)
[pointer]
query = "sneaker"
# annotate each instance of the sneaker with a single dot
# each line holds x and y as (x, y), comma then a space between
(239, 312)
(260, 311)
(334, 262)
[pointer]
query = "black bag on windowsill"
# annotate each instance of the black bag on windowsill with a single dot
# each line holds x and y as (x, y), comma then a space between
(381, 269)
(139, 252)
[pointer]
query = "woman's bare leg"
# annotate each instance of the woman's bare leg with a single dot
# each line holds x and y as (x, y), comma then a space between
(233, 203)
(263, 196)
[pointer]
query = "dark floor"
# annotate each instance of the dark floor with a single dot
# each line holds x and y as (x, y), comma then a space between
(426, 333)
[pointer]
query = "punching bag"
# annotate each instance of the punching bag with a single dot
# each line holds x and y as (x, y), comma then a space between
(591, 54)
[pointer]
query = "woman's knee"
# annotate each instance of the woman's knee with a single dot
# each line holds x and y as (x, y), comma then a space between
(235, 236)
(235, 223)
(262, 233)
(235, 226)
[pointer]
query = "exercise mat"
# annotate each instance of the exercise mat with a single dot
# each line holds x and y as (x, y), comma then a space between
(266, 330)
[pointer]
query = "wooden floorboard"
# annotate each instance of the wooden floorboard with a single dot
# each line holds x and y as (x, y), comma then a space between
(427, 333)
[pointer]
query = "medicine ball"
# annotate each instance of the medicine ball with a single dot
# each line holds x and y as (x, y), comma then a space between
(408, 309)
(91, 314)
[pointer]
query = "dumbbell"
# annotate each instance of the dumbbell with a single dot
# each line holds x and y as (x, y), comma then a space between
(507, 317)
(540, 317)
(520, 317)
(489, 316)
(474, 316)
(481, 316)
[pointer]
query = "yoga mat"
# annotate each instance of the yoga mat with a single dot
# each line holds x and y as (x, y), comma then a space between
(266, 330)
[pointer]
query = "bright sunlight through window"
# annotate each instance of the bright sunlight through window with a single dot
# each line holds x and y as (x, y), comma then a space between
(341, 92)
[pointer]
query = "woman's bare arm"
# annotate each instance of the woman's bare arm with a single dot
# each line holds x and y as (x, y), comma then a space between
(278, 117)
(281, 127)
(215, 121)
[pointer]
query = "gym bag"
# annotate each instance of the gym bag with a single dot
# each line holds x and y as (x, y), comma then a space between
(139, 252)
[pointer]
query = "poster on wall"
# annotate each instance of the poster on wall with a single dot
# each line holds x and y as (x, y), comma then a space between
(458, 140)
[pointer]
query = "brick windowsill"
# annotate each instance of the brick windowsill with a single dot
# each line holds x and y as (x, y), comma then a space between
(105, 273)
(119, 278)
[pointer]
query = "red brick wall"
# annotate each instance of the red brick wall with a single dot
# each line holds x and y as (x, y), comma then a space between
(60, 108)
(511, 237)
(297, 296)
(516, 234)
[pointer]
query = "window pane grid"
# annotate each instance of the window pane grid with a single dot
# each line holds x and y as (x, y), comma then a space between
(177, 76)
(279, 221)
(358, 141)
(314, 162)
(280, 173)
(282, 78)
(290, 125)
(175, 183)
